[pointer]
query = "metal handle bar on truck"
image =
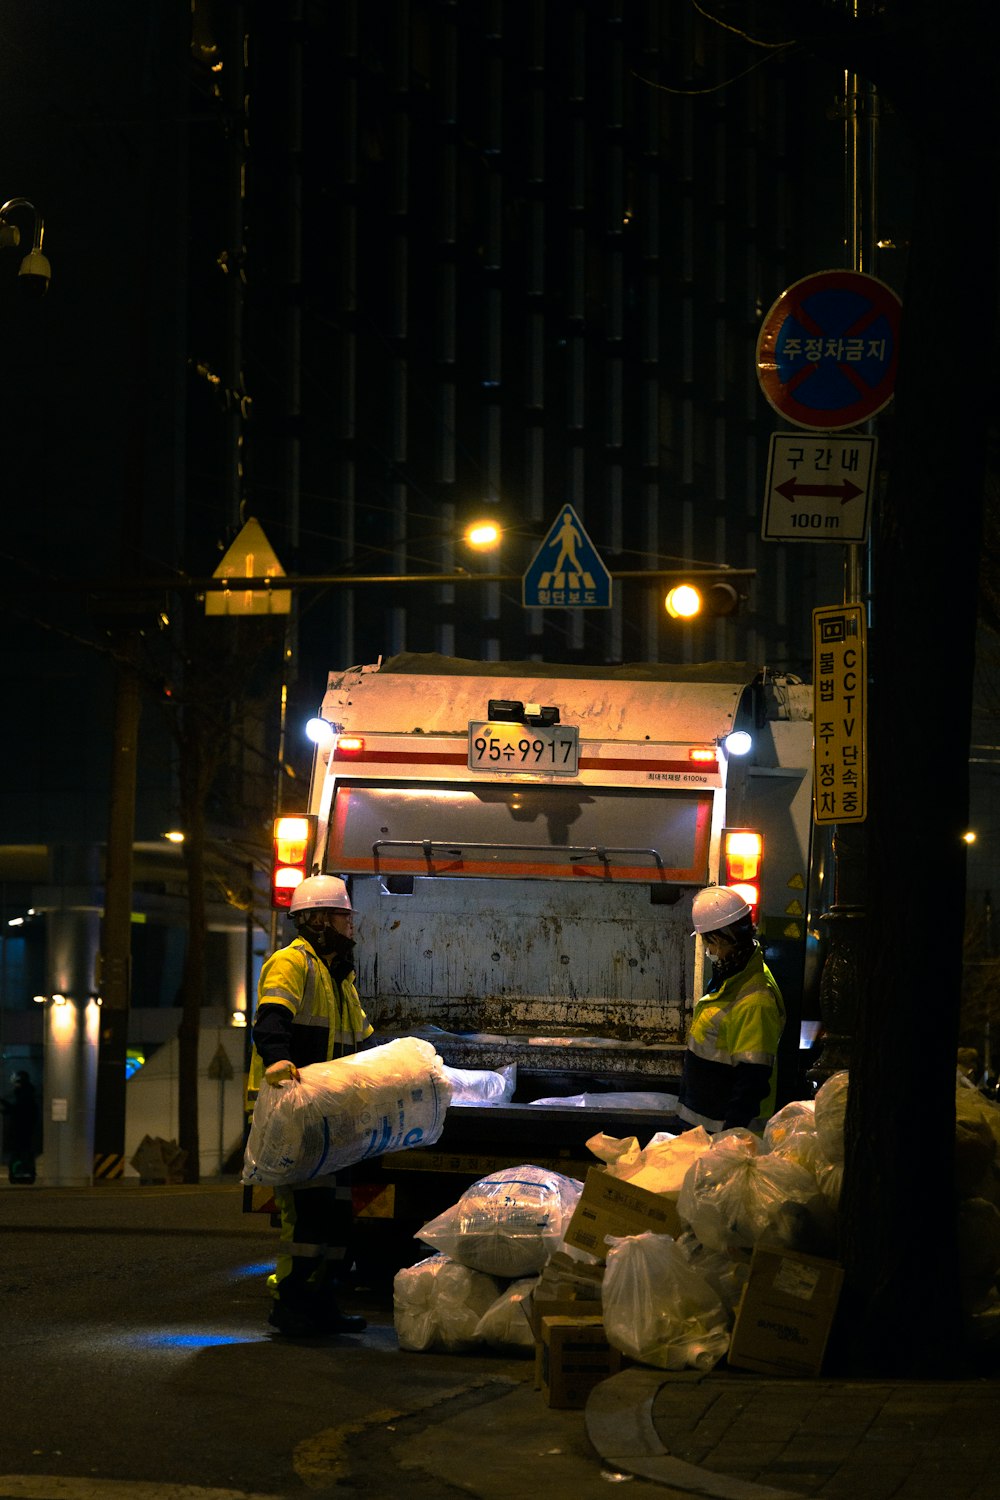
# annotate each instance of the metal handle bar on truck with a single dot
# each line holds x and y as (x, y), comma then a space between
(575, 851)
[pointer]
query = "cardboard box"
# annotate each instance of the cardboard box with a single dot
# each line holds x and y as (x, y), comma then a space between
(565, 1286)
(610, 1206)
(575, 1356)
(785, 1313)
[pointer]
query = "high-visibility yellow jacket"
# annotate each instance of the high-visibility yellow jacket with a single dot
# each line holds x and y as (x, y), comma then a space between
(303, 1013)
(729, 1067)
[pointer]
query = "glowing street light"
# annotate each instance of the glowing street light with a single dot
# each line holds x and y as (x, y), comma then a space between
(483, 534)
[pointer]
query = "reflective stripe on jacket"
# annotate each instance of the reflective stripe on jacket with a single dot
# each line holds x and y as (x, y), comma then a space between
(325, 1016)
(738, 1024)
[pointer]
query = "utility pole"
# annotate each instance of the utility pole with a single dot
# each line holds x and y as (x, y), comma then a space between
(114, 977)
(840, 980)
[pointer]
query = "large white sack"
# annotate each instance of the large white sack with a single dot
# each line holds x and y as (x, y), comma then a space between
(387, 1098)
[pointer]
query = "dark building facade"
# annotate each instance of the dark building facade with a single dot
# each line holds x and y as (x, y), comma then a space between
(533, 245)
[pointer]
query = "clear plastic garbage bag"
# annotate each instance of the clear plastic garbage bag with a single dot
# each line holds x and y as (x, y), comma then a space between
(658, 1309)
(831, 1106)
(482, 1085)
(731, 1198)
(504, 1325)
(437, 1304)
(506, 1224)
(798, 1116)
(660, 1166)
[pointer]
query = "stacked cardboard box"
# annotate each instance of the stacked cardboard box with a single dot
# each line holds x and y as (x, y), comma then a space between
(785, 1313)
(608, 1205)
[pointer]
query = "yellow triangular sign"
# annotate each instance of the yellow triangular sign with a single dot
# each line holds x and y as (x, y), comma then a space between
(249, 556)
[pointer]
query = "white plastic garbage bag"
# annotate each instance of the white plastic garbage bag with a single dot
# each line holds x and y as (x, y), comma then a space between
(388, 1098)
(665, 1103)
(504, 1325)
(732, 1197)
(727, 1275)
(437, 1304)
(660, 1166)
(801, 1144)
(658, 1309)
(794, 1117)
(482, 1085)
(970, 1105)
(831, 1106)
(507, 1224)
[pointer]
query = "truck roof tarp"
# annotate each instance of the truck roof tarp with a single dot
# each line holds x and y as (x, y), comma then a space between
(431, 664)
(615, 708)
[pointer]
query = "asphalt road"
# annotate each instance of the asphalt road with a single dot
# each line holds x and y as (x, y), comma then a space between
(136, 1364)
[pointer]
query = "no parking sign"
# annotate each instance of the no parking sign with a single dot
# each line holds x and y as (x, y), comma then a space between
(828, 349)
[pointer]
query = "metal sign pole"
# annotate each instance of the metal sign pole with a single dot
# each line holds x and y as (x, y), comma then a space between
(845, 921)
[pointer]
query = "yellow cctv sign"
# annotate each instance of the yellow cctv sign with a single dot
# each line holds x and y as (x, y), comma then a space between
(840, 714)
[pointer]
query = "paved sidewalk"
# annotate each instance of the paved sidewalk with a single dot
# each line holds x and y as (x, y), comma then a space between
(869, 1440)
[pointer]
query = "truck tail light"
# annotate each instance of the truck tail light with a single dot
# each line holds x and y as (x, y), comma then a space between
(292, 851)
(346, 746)
(742, 862)
(705, 755)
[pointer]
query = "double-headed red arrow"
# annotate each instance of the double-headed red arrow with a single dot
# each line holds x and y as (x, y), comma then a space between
(793, 489)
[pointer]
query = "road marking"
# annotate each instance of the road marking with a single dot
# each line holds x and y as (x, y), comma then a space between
(58, 1487)
(318, 1460)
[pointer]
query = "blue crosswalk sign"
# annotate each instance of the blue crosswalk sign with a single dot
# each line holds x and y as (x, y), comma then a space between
(566, 572)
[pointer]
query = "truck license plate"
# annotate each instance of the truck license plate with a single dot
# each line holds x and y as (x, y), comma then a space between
(520, 747)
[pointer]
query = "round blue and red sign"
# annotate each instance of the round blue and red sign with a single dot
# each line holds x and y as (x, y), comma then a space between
(828, 349)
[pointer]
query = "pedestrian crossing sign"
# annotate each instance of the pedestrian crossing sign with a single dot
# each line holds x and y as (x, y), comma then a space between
(566, 572)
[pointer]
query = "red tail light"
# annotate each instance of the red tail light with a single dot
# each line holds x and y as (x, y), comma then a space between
(742, 863)
(292, 851)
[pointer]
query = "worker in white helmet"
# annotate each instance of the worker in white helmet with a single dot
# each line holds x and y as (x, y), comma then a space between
(730, 1064)
(309, 1011)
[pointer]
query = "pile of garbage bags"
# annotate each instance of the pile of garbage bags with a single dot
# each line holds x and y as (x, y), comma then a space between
(667, 1302)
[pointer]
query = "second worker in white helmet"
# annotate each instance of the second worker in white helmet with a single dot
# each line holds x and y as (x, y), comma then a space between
(729, 1073)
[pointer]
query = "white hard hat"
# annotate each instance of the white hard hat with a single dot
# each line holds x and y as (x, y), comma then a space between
(716, 906)
(319, 891)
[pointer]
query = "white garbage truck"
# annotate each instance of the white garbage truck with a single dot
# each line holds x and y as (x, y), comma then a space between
(522, 843)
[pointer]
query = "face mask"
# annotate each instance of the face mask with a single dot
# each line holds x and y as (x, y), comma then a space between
(330, 944)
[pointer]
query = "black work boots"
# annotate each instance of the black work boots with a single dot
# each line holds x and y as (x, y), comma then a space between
(312, 1318)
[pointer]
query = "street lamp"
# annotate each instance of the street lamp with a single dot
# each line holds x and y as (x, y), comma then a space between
(35, 272)
(483, 534)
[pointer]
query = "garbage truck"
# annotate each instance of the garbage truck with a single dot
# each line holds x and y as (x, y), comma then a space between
(522, 844)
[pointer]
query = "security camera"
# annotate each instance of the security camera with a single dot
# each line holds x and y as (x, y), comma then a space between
(35, 274)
